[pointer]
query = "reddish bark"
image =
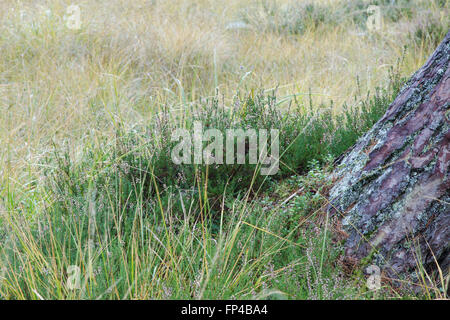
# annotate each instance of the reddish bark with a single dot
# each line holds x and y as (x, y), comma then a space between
(393, 186)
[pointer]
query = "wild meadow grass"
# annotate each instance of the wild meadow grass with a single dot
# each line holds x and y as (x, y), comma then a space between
(129, 224)
(89, 191)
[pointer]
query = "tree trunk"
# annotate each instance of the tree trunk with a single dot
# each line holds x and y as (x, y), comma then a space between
(392, 188)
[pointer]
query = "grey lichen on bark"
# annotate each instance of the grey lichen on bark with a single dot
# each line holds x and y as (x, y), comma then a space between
(392, 188)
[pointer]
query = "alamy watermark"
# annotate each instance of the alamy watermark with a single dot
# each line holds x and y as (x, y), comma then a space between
(73, 17)
(374, 280)
(374, 20)
(251, 142)
(74, 277)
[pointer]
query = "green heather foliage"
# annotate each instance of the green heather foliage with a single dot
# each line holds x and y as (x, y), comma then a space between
(306, 133)
(137, 166)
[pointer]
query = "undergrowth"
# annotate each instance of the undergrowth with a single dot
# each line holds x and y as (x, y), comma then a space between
(123, 221)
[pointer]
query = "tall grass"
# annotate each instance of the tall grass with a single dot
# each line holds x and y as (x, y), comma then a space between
(132, 225)
(139, 250)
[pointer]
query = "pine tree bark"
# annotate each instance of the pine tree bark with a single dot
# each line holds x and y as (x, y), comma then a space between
(392, 188)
